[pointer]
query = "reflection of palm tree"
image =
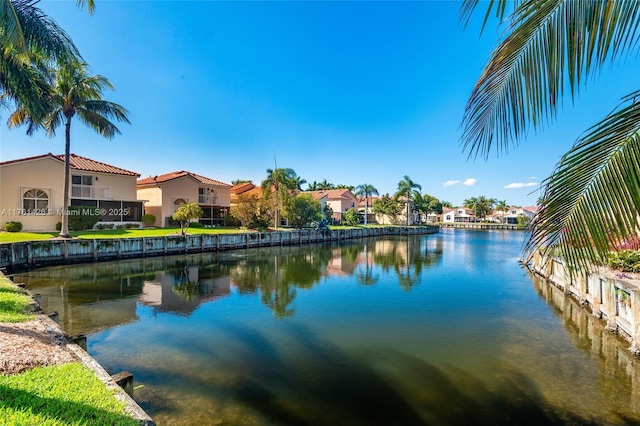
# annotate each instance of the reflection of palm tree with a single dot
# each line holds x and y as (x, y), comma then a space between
(364, 274)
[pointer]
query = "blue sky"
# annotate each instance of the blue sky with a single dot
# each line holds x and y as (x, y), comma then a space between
(350, 92)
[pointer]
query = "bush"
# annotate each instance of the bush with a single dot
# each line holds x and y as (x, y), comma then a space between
(350, 218)
(132, 225)
(82, 217)
(59, 226)
(196, 225)
(625, 260)
(148, 219)
(13, 226)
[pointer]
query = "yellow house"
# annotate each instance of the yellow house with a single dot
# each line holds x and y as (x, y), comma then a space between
(31, 191)
(165, 193)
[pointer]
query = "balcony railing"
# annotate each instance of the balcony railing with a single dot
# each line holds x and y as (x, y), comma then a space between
(208, 199)
(91, 191)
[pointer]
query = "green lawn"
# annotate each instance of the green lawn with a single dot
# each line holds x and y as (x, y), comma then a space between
(15, 237)
(15, 305)
(68, 394)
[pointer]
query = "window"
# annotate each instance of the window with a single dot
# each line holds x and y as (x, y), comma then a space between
(81, 180)
(35, 201)
(177, 202)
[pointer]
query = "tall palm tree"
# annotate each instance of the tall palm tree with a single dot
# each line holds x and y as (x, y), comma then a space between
(592, 200)
(29, 39)
(481, 205)
(74, 92)
(405, 188)
(502, 207)
(324, 185)
(313, 186)
(365, 190)
(280, 183)
(299, 182)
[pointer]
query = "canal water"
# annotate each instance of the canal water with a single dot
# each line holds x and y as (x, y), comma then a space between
(444, 329)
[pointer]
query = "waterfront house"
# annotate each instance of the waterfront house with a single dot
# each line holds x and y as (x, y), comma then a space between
(458, 215)
(513, 213)
(339, 200)
(163, 195)
(32, 189)
(245, 188)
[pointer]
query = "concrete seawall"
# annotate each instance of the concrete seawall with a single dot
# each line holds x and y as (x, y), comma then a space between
(612, 297)
(32, 254)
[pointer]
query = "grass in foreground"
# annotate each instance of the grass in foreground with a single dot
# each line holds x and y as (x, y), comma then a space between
(14, 304)
(68, 394)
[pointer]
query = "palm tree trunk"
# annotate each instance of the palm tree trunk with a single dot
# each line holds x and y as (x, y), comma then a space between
(366, 209)
(408, 195)
(64, 230)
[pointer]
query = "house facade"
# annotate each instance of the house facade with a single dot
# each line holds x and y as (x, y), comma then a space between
(32, 191)
(458, 215)
(164, 194)
(339, 200)
(513, 213)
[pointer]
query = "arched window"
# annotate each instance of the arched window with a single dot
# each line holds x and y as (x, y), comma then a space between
(177, 202)
(35, 201)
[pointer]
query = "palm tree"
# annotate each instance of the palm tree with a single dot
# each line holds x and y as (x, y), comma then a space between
(28, 40)
(74, 92)
(447, 204)
(313, 186)
(503, 207)
(324, 185)
(279, 184)
(299, 182)
(592, 200)
(405, 188)
(481, 205)
(239, 181)
(365, 190)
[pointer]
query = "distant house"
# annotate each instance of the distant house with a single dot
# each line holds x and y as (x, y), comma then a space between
(339, 200)
(164, 194)
(458, 215)
(513, 213)
(245, 188)
(32, 190)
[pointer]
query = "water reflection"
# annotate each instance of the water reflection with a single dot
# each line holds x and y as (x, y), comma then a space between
(90, 297)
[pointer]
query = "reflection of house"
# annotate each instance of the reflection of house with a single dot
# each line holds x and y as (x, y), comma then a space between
(32, 189)
(165, 193)
(340, 200)
(458, 215)
(183, 291)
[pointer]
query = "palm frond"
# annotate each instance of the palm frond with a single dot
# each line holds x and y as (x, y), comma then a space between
(98, 123)
(592, 200)
(469, 7)
(107, 109)
(548, 43)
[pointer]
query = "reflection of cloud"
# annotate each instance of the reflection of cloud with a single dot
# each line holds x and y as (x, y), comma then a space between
(451, 182)
(521, 185)
(470, 182)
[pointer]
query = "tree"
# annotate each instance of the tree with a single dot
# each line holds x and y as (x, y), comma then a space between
(302, 210)
(446, 204)
(592, 199)
(185, 213)
(387, 206)
(365, 190)
(344, 186)
(299, 182)
(29, 40)
(313, 186)
(74, 92)
(239, 181)
(253, 212)
(502, 207)
(425, 204)
(350, 218)
(279, 185)
(324, 185)
(481, 205)
(405, 188)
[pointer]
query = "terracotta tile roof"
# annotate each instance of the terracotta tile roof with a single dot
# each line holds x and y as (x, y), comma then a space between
(256, 190)
(531, 209)
(241, 188)
(78, 162)
(333, 194)
(175, 175)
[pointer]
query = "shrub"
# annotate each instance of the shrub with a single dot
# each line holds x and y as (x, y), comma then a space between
(625, 260)
(131, 225)
(13, 226)
(82, 217)
(196, 225)
(120, 226)
(59, 226)
(350, 218)
(148, 219)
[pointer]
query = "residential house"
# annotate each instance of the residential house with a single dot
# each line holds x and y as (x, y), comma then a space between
(164, 194)
(513, 213)
(245, 188)
(458, 215)
(339, 200)
(32, 191)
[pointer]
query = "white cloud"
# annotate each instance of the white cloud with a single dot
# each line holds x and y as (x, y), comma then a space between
(516, 185)
(469, 182)
(533, 178)
(451, 182)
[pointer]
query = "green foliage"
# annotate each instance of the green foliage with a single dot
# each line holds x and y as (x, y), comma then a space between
(278, 188)
(624, 260)
(231, 220)
(58, 226)
(481, 206)
(68, 394)
(82, 217)
(196, 225)
(13, 226)
(148, 219)
(253, 212)
(350, 218)
(185, 213)
(387, 206)
(405, 189)
(302, 210)
(15, 305)
(523, 222)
